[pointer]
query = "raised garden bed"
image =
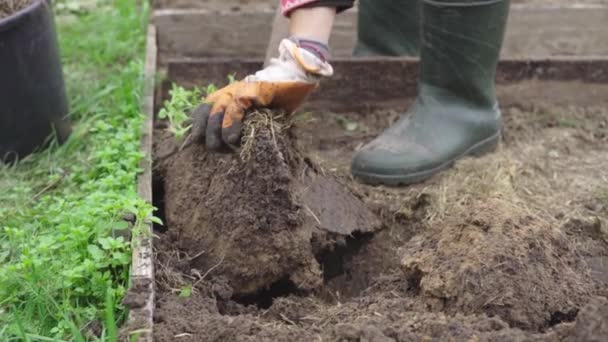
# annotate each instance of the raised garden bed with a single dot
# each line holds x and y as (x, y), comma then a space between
(509, 246)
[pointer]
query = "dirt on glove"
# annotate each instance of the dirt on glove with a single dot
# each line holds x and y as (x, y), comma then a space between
(260, 215)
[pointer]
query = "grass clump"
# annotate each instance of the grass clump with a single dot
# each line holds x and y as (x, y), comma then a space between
(62, 271)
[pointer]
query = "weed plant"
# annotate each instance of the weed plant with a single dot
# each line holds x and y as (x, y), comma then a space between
(181, 101)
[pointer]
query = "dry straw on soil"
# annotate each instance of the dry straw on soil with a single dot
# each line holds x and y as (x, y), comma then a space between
(8, 7)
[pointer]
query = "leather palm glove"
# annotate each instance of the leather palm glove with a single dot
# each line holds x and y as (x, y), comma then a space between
(284, 84)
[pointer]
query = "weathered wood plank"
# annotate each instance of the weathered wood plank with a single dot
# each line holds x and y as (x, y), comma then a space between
(140, 297)
(357, 85)
(557, 31)
(203, 33)
(533, 31)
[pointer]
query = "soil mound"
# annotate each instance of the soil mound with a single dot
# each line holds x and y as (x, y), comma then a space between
(512, 266)
(487, 252)
(259, 217)
(591, 324)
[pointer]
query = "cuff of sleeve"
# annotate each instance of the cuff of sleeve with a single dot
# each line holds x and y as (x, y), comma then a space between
(289, 5)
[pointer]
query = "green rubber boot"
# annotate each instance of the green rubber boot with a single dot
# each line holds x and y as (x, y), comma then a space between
(388, 28)
(456, 113)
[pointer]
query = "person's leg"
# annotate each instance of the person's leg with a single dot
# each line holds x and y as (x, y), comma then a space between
(388, 28)
(313, 23)
(456, 113)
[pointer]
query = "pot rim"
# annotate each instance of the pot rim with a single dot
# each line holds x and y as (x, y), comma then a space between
(16, 17)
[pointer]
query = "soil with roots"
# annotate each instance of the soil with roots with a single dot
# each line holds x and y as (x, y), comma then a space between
(262, 215)
(511, 246)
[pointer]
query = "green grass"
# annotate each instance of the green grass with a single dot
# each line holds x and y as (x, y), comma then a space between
(61, 269)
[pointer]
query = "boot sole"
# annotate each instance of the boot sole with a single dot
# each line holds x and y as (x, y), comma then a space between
(485, 146)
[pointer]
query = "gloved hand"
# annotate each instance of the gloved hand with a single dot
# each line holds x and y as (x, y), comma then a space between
(284, 84)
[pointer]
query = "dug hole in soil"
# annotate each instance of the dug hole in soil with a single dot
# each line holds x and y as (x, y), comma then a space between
(511, 246)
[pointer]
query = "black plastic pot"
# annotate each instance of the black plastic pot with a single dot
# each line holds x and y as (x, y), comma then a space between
(33, 102)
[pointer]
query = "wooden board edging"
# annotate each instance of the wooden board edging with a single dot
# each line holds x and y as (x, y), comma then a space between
(382, 82)
(140, 296)
(541, 30)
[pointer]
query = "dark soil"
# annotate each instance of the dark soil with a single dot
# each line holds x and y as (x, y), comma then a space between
(512, 246)
(259, 216)
(8, 7)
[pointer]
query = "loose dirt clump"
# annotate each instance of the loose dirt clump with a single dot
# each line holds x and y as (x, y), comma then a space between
(486, 252)
(591, 324)
(8, 7)
(260, 216)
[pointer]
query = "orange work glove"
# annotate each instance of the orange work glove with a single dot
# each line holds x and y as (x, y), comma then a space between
(284, 84)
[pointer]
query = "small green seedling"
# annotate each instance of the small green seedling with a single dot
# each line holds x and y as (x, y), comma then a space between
(185, 292)
(231, 78)
(182, 101)
(347, 124)
(176, 108)
(210, 89)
